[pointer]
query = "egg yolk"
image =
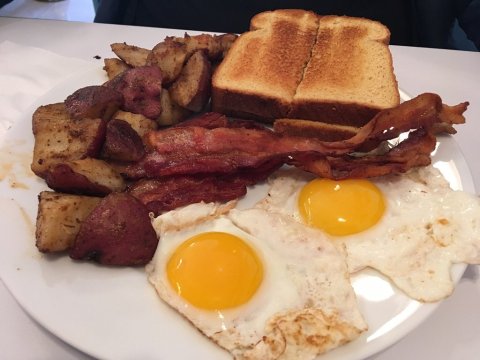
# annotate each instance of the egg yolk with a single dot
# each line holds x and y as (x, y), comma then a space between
(341, 207)
(215, 270)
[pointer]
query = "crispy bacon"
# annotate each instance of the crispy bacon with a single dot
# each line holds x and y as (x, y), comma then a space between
(449, 116)
(193, 149)
(424, 111)
(212, 120)
(168, 193)
(412, 152)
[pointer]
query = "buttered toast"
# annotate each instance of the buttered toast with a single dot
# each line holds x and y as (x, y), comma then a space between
(296, 64)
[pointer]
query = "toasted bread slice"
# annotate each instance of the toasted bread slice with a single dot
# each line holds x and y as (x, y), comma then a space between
(259, 76)
(296, 64)
(319, 130)
(322, 131)
(349, 77)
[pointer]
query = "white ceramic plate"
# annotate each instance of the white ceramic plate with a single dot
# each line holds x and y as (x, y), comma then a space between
(114, 313)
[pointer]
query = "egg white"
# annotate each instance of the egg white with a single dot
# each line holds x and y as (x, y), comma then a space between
(426, 228)
(305, 276)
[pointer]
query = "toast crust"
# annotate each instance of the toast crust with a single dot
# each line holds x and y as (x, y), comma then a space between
(333, 112)
(319, 130)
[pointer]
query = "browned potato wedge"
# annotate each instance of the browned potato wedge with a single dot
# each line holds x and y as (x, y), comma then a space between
(169, 56)
(226, 41)
(113, 67)
(205, 42)
(171, 112)
(140, 87)
(93, 102)
(117, 232)
(214, 46)
(122, 143)
(192, 88)
(58, 219)
(86, 176)
(141, 124)
(59, 138)
(130, 54)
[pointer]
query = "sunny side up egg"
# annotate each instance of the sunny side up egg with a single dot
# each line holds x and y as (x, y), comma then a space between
(327, 204)
(410, 227)
(258, 284)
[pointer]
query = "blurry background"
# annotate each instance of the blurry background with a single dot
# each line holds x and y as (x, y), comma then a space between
(84, 11)
(71, 10)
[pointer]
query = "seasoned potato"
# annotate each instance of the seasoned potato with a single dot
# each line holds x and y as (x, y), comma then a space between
(58, 219)
(122, 143)
(86, 176)
(192, 88)
(113, 67)
(208, 43)
(140, 123)
(172, 113)
(93, 102)
(226, 41)
(169, 56)
(117, 232)
(130, 54)
(214, 46)
(140, 87)
(59, 138)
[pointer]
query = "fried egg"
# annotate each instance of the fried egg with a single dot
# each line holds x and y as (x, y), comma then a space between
(410, 227)
(259, 284)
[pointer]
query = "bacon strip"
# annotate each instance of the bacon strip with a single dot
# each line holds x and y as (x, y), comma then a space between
(168, 193)
(212, 120)
(424, 111)
(412, 152)
(193, 149)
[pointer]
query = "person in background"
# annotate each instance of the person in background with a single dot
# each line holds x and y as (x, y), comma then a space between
(426, 23)
(4, 2)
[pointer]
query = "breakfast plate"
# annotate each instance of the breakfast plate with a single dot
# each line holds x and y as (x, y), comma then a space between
(114, 313)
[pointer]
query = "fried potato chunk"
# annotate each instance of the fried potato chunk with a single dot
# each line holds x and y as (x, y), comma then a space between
(214, 46)
(140, 123)
(114, 67)
(58, 219)
(132, 55)
(169, 56)
(59, 138)
(172, 113)
(93, 102)
(122, 143)
(85, 176)
(117, 232)
(192, 88)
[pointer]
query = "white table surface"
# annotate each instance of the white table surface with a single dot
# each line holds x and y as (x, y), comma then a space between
(452, 332)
